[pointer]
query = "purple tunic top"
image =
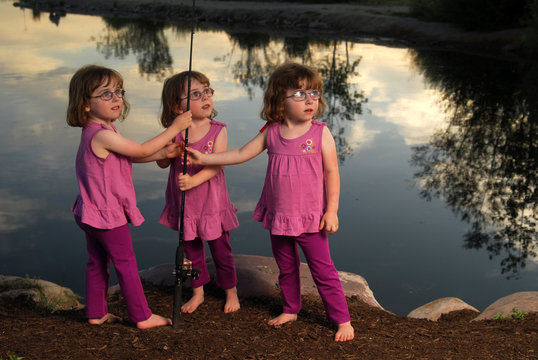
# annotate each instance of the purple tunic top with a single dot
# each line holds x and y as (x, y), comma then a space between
(208, 209)
(107, 197)
(293, 199)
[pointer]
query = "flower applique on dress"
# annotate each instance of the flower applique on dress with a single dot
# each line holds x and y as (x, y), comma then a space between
(308, 146)
(208, 148)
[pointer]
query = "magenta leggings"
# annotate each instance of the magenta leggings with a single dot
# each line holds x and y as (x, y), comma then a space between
(315, 248)
(221, 251)
(116, 245)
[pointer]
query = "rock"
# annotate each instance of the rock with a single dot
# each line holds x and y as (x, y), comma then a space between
(258, 276)
(433, 310)
(40, 293)
(526, 301)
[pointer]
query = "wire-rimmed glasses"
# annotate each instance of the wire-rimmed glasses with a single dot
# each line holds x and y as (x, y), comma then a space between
(108, 95)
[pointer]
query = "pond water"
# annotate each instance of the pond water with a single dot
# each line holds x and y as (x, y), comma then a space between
(437, 152)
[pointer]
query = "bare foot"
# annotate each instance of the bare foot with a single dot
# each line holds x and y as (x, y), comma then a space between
(108, 318)
(153, 321)
(345, 332)
(196, 300)
(232, 301)
(282, 319)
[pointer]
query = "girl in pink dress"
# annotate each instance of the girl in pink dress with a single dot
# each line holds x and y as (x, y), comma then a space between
(299, 202)
(209, 215)
(107, 202)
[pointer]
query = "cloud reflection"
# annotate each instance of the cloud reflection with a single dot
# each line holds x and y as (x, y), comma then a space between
(15, 211)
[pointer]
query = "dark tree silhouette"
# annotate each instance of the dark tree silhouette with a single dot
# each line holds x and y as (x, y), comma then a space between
(261, 55)
(145, 39)
(251, 70)
(483, 165)
(344, 103)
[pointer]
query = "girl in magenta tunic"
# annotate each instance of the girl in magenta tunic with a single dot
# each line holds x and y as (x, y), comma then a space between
(299, 202)
(107, 202)
(209, 215)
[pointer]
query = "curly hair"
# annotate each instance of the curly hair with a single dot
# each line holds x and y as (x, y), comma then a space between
(173, 89)
(289, 76)
(81, 87)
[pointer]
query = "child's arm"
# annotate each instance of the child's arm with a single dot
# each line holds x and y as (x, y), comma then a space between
(105, 142)
(187, 182)
(329, 221)
(163, 156)
(235, 156)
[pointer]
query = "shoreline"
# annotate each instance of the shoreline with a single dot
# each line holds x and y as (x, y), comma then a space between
(378, 24)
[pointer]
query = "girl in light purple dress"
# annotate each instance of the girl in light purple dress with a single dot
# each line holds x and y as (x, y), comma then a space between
(107, 202)
(209, 215)
(299, 202)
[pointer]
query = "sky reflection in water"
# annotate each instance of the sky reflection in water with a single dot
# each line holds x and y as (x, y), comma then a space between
(409, 250)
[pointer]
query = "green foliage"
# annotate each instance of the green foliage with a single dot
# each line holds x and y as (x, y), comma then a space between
(516, 315)
(12, 357)
(498, 316)
(474, 14)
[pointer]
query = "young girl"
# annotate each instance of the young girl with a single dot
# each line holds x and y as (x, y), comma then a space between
(209, 215)
(300, 197)
(107, 202)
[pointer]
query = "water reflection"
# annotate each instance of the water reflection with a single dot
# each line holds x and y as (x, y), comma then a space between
(483, 164)
(145, 39)
(344, 102)
(378, 109)
(55, 14)
(259, 58)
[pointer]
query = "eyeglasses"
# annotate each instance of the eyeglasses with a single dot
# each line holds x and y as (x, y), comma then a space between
(301, 95)
(108, 95)
(197, 95)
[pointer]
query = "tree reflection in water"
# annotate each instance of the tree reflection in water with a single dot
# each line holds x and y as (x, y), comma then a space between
(261, 55)
(258, 56)
(343, 102)
(483, 165)
(145, 39)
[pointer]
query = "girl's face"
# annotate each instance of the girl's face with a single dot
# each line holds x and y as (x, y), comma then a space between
(299, 110)
(99, 108)
(202, 104)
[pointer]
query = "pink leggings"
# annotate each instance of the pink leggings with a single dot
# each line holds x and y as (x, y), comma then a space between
(315, 248)
(221, 251)
(116, 245)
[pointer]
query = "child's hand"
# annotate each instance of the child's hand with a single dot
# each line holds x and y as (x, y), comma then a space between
(173, 150)
(183, 120)
(195, 157)
(329, 222)
(184, 182)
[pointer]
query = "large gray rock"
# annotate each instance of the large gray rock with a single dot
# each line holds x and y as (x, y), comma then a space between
(40, 293)
(433, 310)
(258, 276)
(526, 301)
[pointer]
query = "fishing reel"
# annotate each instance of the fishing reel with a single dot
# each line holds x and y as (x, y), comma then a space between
(187, 272)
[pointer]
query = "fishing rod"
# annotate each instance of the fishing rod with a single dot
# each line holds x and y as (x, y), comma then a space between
(183, 267)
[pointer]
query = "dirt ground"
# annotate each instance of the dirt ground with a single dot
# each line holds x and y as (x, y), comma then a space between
(208, 333)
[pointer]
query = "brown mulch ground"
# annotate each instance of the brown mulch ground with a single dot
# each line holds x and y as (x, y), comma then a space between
(211, 334)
